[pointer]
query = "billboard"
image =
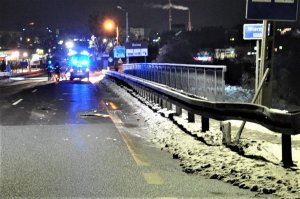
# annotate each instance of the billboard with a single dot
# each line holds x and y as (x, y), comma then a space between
(136, 49)
(274, 10)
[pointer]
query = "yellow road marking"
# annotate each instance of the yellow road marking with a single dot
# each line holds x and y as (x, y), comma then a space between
(138, 158)
(153, 178)
(166, 198)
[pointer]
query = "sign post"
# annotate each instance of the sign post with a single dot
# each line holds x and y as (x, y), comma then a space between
(136, 49)
(272, 10)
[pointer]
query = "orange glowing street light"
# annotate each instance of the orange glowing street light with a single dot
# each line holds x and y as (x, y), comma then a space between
(110, 26)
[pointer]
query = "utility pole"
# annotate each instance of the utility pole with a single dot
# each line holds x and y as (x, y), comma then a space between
(189, 22)
(170, 15)
(127, 29)
(266, 61)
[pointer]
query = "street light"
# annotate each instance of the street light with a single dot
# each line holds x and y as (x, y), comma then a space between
(120, 8)
(110, 26)
(189, 22)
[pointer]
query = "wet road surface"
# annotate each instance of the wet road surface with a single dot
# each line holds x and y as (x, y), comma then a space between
(66, 140)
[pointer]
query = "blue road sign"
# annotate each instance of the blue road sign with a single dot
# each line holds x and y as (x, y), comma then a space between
(276, 10)
(119, 51)
(252, 31)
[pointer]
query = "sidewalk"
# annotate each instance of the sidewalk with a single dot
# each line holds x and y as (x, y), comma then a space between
(19, 73)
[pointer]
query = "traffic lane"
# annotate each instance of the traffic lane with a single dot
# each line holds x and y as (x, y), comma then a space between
(81, 157)
(67, 161)
(62, 159)
(18, 84)
(65, 102)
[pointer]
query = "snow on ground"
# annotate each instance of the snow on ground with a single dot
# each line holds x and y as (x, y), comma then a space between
(259, 169)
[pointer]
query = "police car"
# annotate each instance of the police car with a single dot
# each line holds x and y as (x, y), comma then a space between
(79, 66)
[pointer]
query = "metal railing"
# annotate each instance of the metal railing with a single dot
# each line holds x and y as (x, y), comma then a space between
(286, 123)
(200, 80)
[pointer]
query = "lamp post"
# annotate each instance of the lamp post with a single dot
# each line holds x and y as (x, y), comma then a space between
(127, 36)
(110, 26)
(189, 22)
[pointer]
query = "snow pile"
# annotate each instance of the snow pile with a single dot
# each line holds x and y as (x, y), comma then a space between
(238, 94)
(251, 165)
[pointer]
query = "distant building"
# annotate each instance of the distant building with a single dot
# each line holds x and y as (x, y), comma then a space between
(139, 33)
(226, 53)
(178, 27)
(10, 39)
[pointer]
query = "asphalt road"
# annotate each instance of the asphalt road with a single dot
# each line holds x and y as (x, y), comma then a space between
(67, 140)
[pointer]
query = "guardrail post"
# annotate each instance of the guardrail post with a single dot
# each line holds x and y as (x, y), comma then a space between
(175, 77)
(163, 104)
(215, 77)
(151, 97)
(178, 111)
(156, 98)
(286, 150)
(191, 117)
(225, 127)
(223, 85)
(188, 80)
(204, 79)
(181, 84)
(143, 93)
(169, 105)
(205, 124)
(196, 77)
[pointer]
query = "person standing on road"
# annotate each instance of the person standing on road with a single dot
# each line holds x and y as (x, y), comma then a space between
(49, 70)
(8, 69)
(2, 66)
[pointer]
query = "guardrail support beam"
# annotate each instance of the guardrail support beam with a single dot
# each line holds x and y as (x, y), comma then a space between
(178, 111)
(205, 124)
(169, 105)
(287, 150)
(191, 117)
(161, 102)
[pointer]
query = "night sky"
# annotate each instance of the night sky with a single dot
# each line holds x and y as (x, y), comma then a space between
(72, 15)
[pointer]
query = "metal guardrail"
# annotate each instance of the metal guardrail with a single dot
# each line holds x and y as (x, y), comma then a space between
(200, 80)
(286, 123)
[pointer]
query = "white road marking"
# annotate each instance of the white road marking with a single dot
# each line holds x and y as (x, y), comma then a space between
(34, 90)
(17, 102)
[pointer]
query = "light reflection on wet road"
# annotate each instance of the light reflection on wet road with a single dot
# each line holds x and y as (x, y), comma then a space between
(53, 146)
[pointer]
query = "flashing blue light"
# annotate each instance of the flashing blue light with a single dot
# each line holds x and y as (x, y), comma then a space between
(84, 62)
(71, 52)
(74, 61)
(79, 60)
(85, 53)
